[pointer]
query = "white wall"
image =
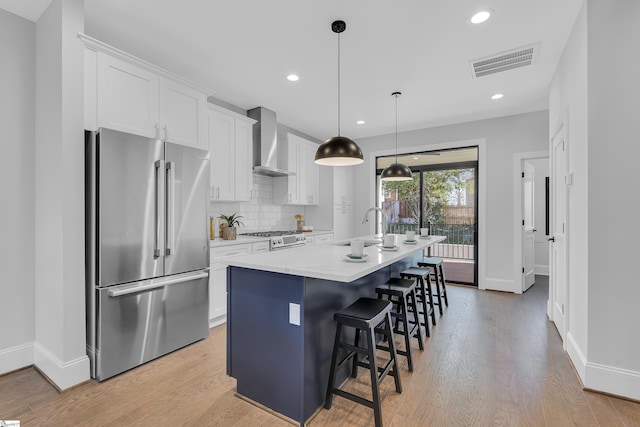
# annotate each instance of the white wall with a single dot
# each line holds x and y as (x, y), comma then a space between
(503, 137)
(17, 113)
(59, 185)
(613, 153)
(568, 105)
(594, 91)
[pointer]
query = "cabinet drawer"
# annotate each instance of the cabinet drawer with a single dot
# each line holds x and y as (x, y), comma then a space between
(260, 247)
(324, 238)
(219, 254)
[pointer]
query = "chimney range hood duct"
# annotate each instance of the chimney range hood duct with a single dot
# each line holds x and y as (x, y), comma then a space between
(265, 143)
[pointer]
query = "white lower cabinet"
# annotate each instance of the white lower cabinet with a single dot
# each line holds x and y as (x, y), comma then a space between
(218, 279)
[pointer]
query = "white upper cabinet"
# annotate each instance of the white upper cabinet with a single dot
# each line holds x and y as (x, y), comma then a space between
(302, 186)
(244, 158)
(182, 114)
(127, 97)
(231, 148)
(130, 95)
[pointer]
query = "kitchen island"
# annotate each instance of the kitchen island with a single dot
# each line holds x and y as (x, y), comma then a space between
(280, 326)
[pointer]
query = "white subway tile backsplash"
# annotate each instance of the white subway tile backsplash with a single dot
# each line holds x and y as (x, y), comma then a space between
(259, 214)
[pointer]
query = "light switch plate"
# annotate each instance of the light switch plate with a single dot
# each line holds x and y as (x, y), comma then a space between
(294, 314)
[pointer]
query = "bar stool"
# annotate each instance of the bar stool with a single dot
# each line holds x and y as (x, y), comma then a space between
(364, 315)
(402, 293)
(438, 273)
(423, 294)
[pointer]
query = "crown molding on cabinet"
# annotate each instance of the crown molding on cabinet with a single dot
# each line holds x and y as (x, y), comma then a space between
(97, 45)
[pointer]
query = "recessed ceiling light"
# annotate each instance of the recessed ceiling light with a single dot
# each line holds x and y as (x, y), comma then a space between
(360, 122)
(497, 96)
(480, 17)
(415, 157)
(293, 78)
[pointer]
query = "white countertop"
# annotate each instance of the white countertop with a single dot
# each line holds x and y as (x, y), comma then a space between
(328, 262)
(219, 242)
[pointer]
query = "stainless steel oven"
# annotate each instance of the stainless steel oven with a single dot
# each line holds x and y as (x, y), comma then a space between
(279, 240)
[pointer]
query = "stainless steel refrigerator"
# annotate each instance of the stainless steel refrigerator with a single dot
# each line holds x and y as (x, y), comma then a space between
(147, 253)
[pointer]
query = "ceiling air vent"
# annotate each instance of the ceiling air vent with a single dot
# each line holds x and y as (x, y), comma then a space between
(516, 58)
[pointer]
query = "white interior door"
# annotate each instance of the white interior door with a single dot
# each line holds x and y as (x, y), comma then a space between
(528, 230)
(558, 261)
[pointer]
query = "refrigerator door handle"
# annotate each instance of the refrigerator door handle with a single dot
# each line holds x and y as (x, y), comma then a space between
(154, 284)
(170, 215)
(159, 167)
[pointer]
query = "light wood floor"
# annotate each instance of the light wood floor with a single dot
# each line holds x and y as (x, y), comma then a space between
(492, 360)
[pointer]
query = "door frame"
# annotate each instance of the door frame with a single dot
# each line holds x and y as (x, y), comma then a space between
(481, 186)
(518, 168)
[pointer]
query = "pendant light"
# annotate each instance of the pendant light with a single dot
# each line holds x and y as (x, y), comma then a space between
(339, 150)
(396, 171)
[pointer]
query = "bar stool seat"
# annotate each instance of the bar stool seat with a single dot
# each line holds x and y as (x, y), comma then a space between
(366, 314)
(440, 292)
(402, 293)
(424, 294)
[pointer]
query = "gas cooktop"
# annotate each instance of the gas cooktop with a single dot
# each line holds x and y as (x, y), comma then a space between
(270, 233)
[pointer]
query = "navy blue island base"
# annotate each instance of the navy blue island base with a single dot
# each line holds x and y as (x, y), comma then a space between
(283, 366)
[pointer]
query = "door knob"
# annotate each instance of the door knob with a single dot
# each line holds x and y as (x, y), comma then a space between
(551, 239)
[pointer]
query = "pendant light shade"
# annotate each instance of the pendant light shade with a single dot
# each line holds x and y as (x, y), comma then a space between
(339, 150)
(396, 171)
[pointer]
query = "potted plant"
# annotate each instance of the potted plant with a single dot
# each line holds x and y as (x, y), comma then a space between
(228, 228)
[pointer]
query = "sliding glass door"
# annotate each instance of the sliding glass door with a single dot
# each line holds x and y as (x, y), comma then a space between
(441, 196)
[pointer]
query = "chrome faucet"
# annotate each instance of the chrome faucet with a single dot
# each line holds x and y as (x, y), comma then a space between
(384, 219)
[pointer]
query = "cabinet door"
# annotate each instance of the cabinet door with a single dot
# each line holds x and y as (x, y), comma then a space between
(217, 293)
(221, 135)
(243, 160)
(293, 150)
(343, 186)
(313, 172)
(342, 222)
(303, 174)
(127, 97)
(182, 114)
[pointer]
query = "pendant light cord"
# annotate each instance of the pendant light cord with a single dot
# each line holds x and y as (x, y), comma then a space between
(396, 95)
(338, 84)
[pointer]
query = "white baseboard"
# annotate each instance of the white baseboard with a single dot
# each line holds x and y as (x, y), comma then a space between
(613, 380)
(16, 357)
(542, 270)
(503, 285)
(577, 356)
(217, 321)
(63, 374)
(607, 379)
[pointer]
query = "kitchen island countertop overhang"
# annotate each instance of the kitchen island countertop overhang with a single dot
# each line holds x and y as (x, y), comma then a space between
(326, 261)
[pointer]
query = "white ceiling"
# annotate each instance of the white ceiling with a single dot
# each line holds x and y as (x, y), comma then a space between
(244, 49)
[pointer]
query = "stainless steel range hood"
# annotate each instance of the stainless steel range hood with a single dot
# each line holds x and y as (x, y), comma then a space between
(265, 143)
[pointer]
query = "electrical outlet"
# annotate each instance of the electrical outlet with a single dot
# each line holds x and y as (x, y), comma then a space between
(294, 314)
